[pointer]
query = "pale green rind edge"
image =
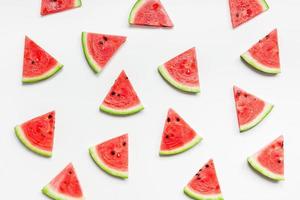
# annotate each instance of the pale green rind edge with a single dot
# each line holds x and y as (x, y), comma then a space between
(78, 3)
(255, 64)
(264, 5)
(165, 74)
(20, 135)
(46, 75)
(267, 109)
(136, 6)
(128, 111)
(258, 167)
(189, 192)
(104, 167)
(92, 63)
(55, 195)
(186, 147)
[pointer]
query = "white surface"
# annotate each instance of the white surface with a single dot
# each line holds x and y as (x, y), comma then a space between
(75, 93)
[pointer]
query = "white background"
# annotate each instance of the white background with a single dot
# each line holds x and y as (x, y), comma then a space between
(76, 92)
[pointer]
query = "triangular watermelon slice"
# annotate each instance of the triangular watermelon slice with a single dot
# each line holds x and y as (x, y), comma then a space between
(178, 136)
(149, 13)
(242, 11)
(65, 186)
(37, 64)
(182, 71)
(99, 48)
(54, 6)
(264, 55)
(204, 185)
(270, 160)
(122, 98)
(38, 134)
(112, 156)
(250, 109)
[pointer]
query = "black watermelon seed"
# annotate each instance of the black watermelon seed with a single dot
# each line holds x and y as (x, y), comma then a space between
(124, 143)
(207, 166)
(70, 172)
(177, 119)
(49, 116)
(105, 38)
(167, 136)
(113, 152)
(168, 119)
(101, 42)
(279, 161)
(112, 93)
(118, 95)
(32, 62)
(267, 36)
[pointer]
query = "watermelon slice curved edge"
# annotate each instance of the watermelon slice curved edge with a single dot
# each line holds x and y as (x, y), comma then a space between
(21, 136)
(50, 192)
(107, 169)
(186, 147)
(92, 63)
(191, 193)
(128, 111)
(257, 166)
(267, 109)
(165, 74)
(44, 76)
(257, 65)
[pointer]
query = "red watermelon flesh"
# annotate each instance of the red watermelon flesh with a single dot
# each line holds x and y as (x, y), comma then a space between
(149, 13)
(250, 109)
(205, 183)
(65, 185)
(38, 134)
(54, 6)
(121, 97)
(244, 10)
(266, 51)
(177, 136)
(37, 63)
(99, 48)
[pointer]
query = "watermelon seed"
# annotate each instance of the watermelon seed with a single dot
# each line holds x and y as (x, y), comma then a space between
(168, 119)
(197, 174)
(267, 36)
(198, 178)
(113, 152)
(32, 62)
(118, 95)
(207, 166)
(124, 143)
(101, 42)
(49, 116)
(167, 136)
(105, 38)
(113, 93)
(70, 172)
(279, 161)
(237, 14)
(126, 77)
(177, 119)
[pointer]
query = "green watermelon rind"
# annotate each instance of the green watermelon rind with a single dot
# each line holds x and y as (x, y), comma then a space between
(21, 136)
(104, 167)
(196, 140)
(196, 195)
(44, 76)
(264, 4)
(166, 75)
(267, 109)
(127, 111)
(256, 65)
(134, 10)
(77, 3)
(50, 192)
(254, 163)
(92, 63)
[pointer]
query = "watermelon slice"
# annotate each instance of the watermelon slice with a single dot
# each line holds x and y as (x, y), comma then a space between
(112, 156)
(149, 13)
(270, 160)
(37, 64)
(99, 48)
(37, 134)
(250, 109)
(178, 136)
(182, 71)
(264, 55)
(65, 186)
(54, 6)
(121, 99)
(204, 185)
(244, 10)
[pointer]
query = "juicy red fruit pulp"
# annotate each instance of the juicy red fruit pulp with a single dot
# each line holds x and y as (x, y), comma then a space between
(54, 6)
(114, 153)
(205, 181)
(40, 131)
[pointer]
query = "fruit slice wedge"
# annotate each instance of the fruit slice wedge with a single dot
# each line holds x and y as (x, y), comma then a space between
(149, 13)
(178, 136)
(122, 98)
(264, 55)
(182, 71)
(65, 186)
(37, 64)
(270, 160)
(99, 48)
(204, 185)
(242, 11)
(250, 109)
(112, 156)
(54, 6)
(38, 134)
